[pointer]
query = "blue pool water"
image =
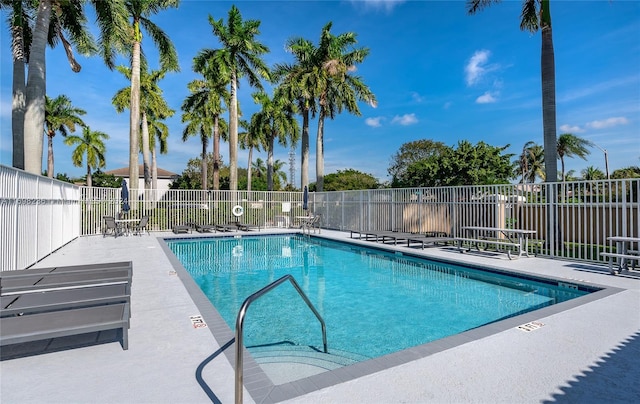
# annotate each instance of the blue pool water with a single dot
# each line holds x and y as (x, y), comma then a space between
(373, 302)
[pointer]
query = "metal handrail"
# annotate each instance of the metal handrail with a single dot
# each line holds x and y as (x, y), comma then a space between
(240, 322)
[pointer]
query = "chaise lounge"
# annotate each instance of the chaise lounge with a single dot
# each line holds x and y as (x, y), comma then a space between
(205, 228)
(46, 303)
(30, 283)
(62, 323)
(245, 226)
(226, 227)
(182, 228)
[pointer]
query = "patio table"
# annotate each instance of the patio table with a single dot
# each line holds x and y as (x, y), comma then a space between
(127, 224)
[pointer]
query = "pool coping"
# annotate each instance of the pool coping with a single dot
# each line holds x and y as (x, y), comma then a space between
(262, 389)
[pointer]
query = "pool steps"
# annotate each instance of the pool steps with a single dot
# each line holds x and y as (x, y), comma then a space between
(304, 355)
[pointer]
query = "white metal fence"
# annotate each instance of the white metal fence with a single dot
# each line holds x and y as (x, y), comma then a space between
(193, 207)
(37, 216)
(572, 220)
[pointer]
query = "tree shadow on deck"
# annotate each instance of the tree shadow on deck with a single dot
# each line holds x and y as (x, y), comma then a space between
(613, 378)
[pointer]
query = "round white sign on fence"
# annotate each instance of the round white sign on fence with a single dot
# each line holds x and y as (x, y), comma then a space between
(237, 211)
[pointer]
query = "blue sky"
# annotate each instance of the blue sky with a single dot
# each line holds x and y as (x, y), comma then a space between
(437, 73)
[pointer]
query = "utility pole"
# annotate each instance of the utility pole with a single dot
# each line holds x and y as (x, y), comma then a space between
(606, 160)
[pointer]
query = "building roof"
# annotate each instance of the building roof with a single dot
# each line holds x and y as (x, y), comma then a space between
(124, 172)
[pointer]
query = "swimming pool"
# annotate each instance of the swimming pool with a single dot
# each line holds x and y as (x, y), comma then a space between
(374, 302)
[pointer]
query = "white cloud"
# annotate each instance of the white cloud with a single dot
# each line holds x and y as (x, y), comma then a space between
(405, 120)
(477, 67)
(608, 123)
(417, 97)
(487, 98)
(374, 122)
(386, 5)
(571, 129)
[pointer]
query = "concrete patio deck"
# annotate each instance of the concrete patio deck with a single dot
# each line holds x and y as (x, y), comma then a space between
(584, 353)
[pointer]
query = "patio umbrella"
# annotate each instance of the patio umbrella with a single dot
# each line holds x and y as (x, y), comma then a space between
(305, 198)
(124, 195)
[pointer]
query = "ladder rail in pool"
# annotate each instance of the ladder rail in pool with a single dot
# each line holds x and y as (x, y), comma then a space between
(240, 325)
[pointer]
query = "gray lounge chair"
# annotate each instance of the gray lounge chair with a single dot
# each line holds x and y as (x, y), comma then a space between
(430, 238)
(363, 235)
(389, 237)
(182, 228)
(226, 227)
(30, 283)
(68, 268)
(205, 228)
(61, 323)
(63, 299)
(245, 226)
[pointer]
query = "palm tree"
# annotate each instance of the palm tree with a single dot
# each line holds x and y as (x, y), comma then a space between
(251, 139)
(536, 163)
(198, 123)
(279, 175)
(91, 144)
(592, 173)
(158, 134)
(531, 162)
(535, 16)
(570, 176)
(338, 88)
(275, 121)
(207, 96)
(59, 116)
(67, 15)
(139, 12)
(152, 102)
(298, 83)
(156, 110)
(259, 167)
(241, 56)
(19, 18)
(570, 145)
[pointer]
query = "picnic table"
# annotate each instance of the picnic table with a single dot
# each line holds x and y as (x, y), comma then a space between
(517, 239)
(625, 252)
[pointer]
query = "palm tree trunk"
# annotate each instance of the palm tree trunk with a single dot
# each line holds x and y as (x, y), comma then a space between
(36, 90)
(134, 122)
(233, 134)
(548, 96)
(304, 164)
(270, 162)
(19, 87)
(203, 168)
(216, 154)
(154, 174)
(249, 170)
(89, 182)
(50, 136)
(320, 153)
(145, 152)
